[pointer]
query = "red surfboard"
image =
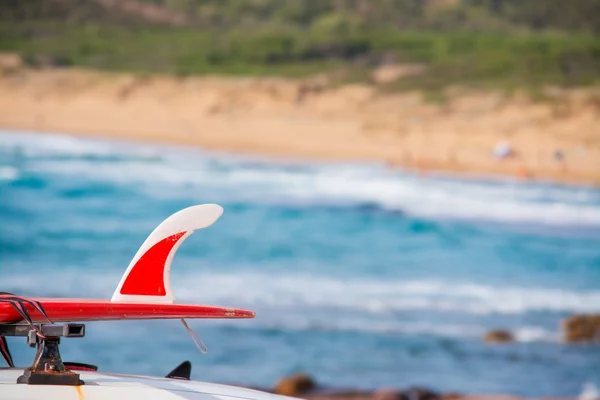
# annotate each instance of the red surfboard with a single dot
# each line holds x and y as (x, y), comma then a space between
(144, 291)
(80, 310)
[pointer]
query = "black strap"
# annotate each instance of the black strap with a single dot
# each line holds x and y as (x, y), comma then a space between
(20, 300)
(6, 352)
(18, 303)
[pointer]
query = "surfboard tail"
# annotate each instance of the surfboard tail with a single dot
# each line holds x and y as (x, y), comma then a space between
(147, 278)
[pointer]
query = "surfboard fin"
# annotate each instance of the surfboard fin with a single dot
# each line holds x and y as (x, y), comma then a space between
(182, 371)
(147, 278)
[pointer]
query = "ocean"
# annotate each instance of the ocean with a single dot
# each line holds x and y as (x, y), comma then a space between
(361, 276)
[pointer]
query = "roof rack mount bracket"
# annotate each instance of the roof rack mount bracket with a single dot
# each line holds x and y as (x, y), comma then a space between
(47, 367)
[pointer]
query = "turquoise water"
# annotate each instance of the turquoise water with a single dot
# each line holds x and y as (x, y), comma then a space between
(361, 276)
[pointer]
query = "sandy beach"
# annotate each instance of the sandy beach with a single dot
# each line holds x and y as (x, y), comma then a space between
(313, 119)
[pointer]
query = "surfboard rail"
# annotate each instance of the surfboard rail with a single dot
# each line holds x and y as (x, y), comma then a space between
(85, 310)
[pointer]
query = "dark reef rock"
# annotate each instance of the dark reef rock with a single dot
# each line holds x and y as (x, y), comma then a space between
(498, 336)
(581, 328)
(419, 393)
(295, 385)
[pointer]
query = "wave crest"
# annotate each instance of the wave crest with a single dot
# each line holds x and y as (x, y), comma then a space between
(157, 167)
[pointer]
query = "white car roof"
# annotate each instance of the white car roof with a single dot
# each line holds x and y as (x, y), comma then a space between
(108, 386)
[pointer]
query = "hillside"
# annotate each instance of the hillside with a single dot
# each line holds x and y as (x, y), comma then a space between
(499, 43)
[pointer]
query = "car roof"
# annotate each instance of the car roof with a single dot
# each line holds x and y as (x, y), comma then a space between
(109, 386)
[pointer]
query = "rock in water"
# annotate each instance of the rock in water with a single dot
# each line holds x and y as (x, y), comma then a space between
(419, 393)
(581, 328)
(498, 336)
(388, 394)
(295, 385)
(414, 393)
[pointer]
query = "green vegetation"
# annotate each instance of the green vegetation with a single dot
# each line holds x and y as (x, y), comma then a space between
(508, 43)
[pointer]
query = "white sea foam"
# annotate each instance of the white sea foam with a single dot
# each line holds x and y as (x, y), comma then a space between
(589, 392)
(156, 168)
(523, 334)
(8, 173)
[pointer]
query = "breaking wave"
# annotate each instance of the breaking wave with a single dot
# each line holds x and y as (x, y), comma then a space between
(155, 168)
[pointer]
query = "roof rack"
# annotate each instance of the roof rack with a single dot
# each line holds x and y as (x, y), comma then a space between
(47, 367)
